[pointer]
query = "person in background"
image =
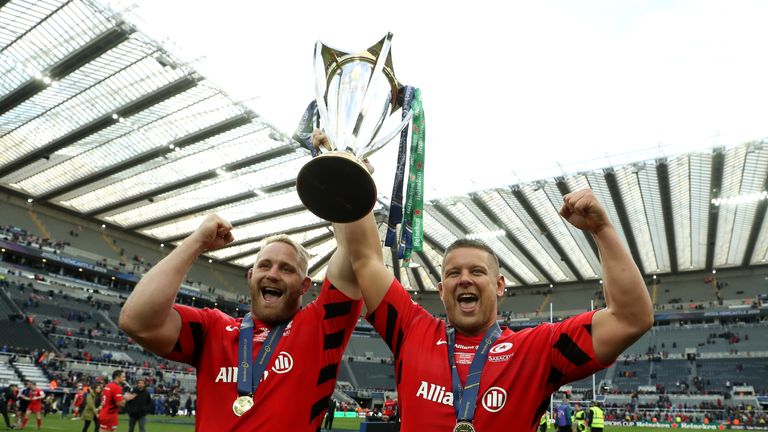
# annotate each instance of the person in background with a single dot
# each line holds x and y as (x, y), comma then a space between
(35, 398)
(91, 401)
(139, 406)
(564, 417)
(112, 399)
(7, 396)
(328, 424)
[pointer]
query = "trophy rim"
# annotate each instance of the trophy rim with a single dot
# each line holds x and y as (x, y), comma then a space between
(334, 59)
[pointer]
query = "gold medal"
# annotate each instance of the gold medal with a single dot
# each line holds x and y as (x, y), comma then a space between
(464, 426)
(242, 404)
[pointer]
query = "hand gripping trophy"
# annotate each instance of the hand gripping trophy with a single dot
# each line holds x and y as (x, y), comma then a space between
(355, 94)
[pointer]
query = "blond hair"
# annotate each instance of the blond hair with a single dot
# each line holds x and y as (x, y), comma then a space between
(302, 256)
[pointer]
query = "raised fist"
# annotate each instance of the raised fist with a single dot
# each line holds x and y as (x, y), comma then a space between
(582, 210)
(213, 233)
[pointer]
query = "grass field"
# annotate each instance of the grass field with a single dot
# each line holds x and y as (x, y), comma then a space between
(186, 424)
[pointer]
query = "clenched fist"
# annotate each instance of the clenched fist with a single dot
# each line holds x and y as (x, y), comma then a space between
(213, 233)
(582, 210)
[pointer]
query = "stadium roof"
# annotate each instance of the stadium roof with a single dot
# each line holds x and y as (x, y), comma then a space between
(99, 119)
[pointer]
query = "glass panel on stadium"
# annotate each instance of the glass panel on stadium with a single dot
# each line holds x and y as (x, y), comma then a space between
(519, 225)
(639, 186)
(547, 206)
(744, 176)
(478, 225)
(595, 180)
(252, 179)
(689, 184)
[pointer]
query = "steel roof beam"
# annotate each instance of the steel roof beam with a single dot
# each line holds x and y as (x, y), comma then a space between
(662, 173)
(512, 239)
(754, 233)
(262, 217)
(307, 244)
(320, 263)
(528, 207)
(199, 178)
(621, 211)
(103, 122)
(74, 61)
(718, 163)
(447, 215)
(429, 264)
(194, 137)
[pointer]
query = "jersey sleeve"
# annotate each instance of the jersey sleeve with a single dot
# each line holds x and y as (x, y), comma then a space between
(573, 355)
(395, 315)
(117, 394)
(339, 315)
(189, 345)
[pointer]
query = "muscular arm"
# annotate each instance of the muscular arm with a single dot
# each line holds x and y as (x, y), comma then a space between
(364, 250)
(148, 315)
(340, 271)
(629, 312)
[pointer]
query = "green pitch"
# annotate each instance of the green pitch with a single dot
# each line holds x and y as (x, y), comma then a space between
(186, 424)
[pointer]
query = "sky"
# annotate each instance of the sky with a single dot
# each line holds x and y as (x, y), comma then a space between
(513, 91)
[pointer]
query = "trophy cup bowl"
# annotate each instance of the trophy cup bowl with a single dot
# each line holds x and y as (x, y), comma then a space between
(355, 94)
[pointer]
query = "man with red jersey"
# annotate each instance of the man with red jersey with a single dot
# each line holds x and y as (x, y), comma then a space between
(389, 409)
(35, 398)
(112, 399)
(513, 373)
(305, 348)
(78, 401)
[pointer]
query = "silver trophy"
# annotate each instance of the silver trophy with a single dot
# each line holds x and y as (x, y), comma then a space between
(356, 93)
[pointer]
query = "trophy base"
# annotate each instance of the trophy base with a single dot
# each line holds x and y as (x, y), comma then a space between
(335, 186)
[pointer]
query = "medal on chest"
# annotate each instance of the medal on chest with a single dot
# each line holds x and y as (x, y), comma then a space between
(249, 372)
(242, 404)
(463, 426)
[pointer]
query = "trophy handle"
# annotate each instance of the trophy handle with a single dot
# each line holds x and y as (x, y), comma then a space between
(386, 138)
(322, 108)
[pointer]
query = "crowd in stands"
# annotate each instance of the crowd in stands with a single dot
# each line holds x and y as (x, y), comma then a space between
(702, 412)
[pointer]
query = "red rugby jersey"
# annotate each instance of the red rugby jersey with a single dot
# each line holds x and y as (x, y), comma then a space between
(522, 370)
(111, 396)
(36, 400)
(299, 379)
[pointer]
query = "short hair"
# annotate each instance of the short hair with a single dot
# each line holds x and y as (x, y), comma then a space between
(116, 373)
(472, 244)
(302, 255)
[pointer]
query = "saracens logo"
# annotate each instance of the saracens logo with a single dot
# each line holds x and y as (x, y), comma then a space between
(283, 363)
(502, 347)
(494, 399)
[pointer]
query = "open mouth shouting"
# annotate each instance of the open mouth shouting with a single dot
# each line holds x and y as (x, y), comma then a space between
(467, 302)
(271, 295)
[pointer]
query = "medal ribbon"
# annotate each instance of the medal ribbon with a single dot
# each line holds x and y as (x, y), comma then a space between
(396, 202)
(465, 399)
(249, 373)
(411, 235)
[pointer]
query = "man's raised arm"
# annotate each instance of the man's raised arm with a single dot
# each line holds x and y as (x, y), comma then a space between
(364, 251)
(340, 271)
(629, 311)
(148, 315)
